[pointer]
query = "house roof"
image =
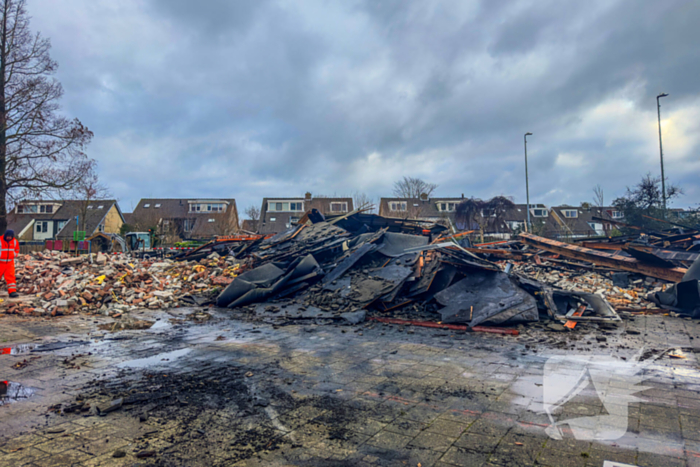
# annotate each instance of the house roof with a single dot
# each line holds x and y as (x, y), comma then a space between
(94, 214)
(179, 208)
(282, 219)
(559, 224)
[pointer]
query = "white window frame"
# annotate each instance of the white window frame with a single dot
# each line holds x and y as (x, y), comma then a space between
(398, 206)
(618, 214)
(147, 205)
(567, 213)
(157, 205)
(343, 206)
(211, 220)
(535, 210)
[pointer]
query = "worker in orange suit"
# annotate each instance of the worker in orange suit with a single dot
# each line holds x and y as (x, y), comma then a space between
(9, 250)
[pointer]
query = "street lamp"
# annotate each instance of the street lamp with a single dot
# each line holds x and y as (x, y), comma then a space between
(527, 186)
(661, 150)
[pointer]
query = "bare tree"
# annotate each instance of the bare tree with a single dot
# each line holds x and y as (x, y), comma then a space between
(361, 200)
(253, 213)
(41, 152)
(87, 190)
(410, 187)
(598, 196)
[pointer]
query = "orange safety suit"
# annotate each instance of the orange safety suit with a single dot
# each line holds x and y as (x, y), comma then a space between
(7, 262)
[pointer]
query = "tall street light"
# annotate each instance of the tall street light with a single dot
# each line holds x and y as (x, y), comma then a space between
(661, 151)
(528, 227)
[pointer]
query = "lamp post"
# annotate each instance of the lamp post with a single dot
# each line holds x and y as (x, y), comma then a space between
(527, 185)
(661, 151)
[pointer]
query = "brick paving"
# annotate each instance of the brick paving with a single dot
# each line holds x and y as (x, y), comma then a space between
(366, 395)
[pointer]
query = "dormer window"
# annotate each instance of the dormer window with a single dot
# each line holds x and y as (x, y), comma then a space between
(157, 205)
(147, 205)
(570, 213)
(537, 212)
(397, 206)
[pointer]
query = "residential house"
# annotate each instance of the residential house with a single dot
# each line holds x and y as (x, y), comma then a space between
(579, 222)
(38, 220)
(280, 213)
(424, 209)
(175, 220)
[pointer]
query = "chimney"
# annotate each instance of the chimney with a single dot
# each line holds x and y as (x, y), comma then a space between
(307, 195)
(462, 195)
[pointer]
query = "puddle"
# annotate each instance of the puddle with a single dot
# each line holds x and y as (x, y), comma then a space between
(12, 392)
(20, 349)
(160, 359)
(162, 324)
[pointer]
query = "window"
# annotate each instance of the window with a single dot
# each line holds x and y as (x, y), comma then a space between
(570, 213)
(539, 212)
(157, 205)
(293, 220)
(211, 220)
(90, 207)
(282, 206)
(397, 206)
(273, 219)
(46, 208)
(339, 207)
(61, 224)
(100, 207)
(27, 209)
(187, 225)
(147, 205)
(101, 227)
(447, 207)
(42, 227)
(617, 215)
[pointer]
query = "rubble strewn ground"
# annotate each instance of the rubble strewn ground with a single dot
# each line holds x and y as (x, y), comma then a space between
(311, 348)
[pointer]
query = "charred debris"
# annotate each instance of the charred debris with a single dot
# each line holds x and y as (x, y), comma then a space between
(359, 266)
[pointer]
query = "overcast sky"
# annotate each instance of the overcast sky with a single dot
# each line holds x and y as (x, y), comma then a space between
(246, 99)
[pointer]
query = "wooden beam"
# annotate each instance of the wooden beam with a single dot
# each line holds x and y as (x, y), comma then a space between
(603, 258)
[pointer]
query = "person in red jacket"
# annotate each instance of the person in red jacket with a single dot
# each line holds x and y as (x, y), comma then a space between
(9, 247)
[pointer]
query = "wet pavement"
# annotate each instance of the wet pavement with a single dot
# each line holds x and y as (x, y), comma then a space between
(213, 388)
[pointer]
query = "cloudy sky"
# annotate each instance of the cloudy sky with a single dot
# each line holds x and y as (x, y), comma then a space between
(246, 99)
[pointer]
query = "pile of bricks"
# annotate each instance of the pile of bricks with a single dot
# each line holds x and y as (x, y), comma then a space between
(55, 283)
(628, 298)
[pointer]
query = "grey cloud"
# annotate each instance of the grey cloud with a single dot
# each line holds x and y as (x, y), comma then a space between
(248, 99)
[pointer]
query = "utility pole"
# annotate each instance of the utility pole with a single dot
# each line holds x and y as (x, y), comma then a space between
(661, 151)
(528, 227)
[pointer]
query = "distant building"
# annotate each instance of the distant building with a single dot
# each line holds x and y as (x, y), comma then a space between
(280, 213)
(36, 220)
(185, 219)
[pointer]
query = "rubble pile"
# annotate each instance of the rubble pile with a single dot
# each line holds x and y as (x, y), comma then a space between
(630, 297)
(55, 283)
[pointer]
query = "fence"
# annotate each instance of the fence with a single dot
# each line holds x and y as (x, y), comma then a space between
(28, 247)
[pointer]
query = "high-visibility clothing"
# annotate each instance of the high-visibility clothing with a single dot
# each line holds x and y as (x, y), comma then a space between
(8, 252)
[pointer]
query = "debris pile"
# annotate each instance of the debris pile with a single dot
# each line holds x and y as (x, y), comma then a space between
(54, 283)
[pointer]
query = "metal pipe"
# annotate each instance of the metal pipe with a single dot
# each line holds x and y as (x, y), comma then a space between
(661, 151)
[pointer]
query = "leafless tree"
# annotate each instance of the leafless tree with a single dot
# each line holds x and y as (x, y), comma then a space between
(483, 215)
(87, 190)
(253, 213)
(361, 200)
(41, 151)
(410, 187)
(598, 196)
